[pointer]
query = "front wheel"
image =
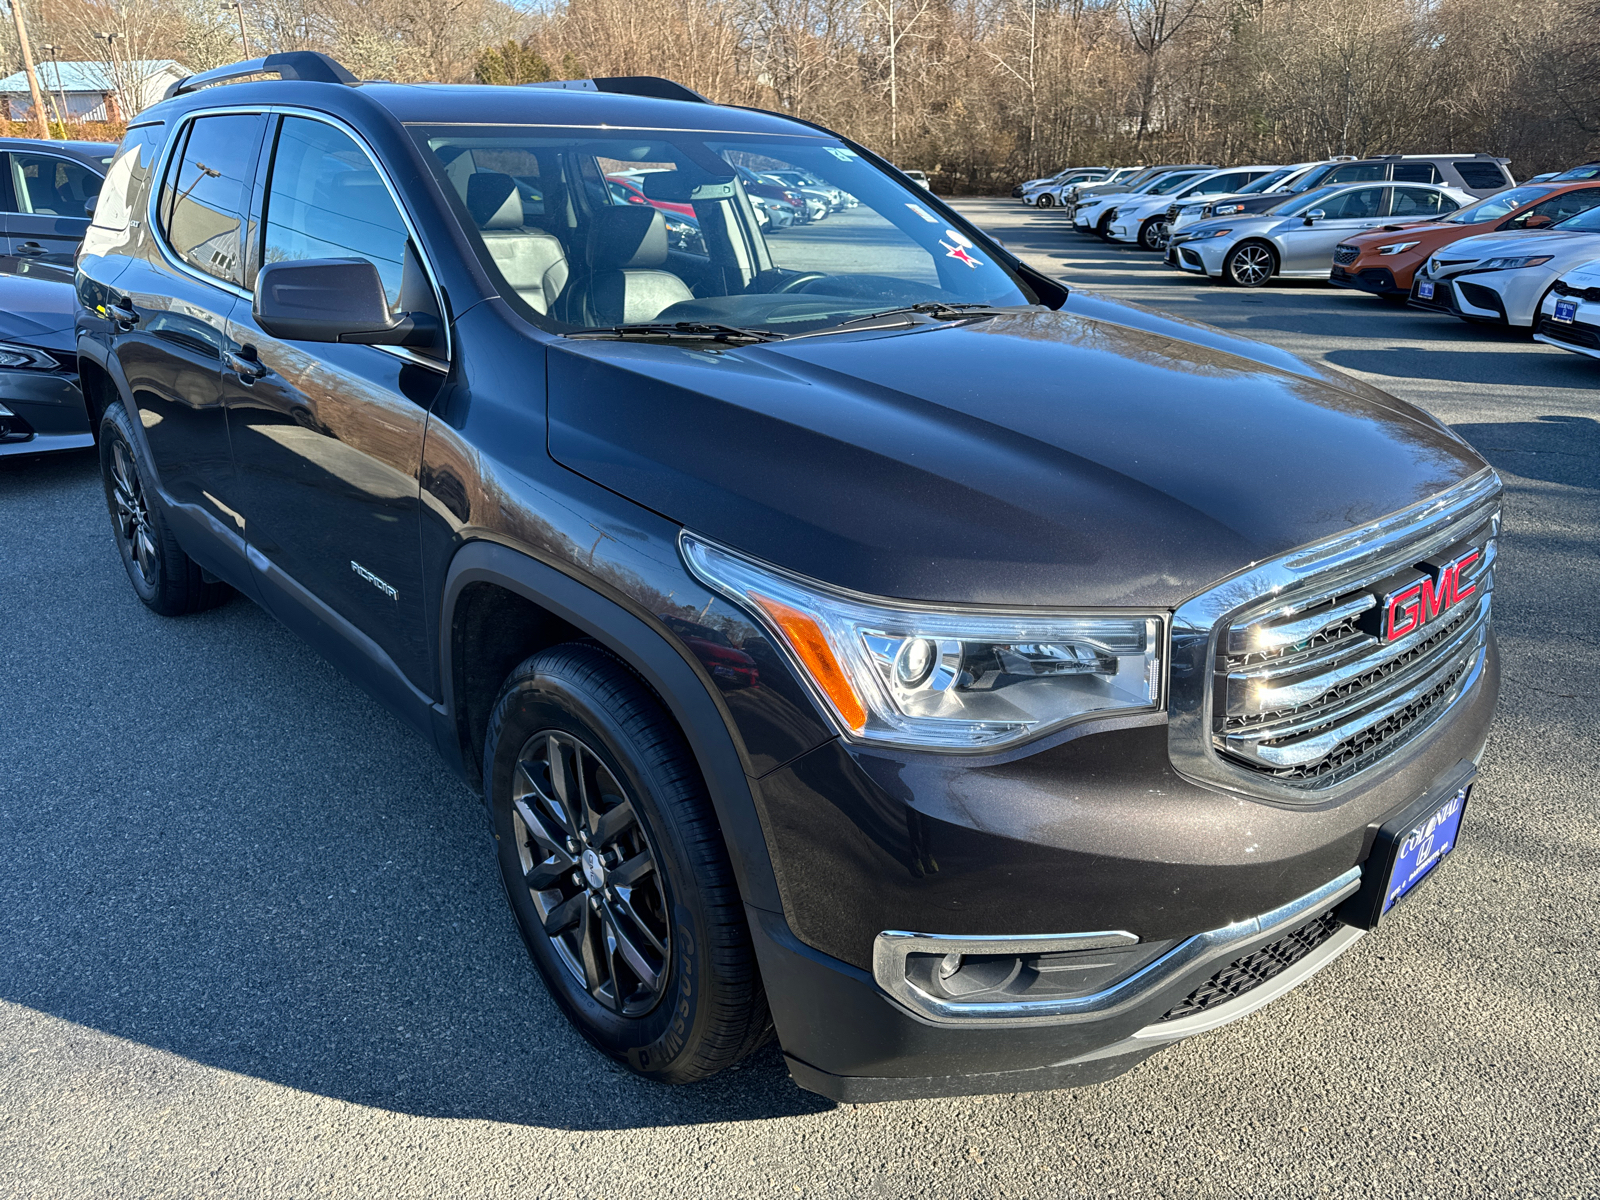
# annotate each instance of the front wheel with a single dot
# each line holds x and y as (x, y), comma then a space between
(1153, 234)
(1045, 201)
(1249, 265)
(615, 868)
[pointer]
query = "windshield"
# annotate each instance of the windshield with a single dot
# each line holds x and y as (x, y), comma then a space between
(1497, 206)
(1267, 182)
(1306, 201)
(1584, 222)
(1588, 171)
(1169, 183)
(595, 228)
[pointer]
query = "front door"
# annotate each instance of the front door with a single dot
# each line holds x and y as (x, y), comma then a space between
(44, 200)
(169, 311)
(328, 437)
(1309, 247)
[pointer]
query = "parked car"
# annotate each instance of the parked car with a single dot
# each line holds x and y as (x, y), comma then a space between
(1042, 193)
(836, 199)
(1384, 262)
(1502, 278)
(1062, 737)
(784, 199)
(41, 406)
(1274, 188)
(1145, 220)
(920, 178)
(47, 191)
(1296, 239)
(1122, 181)
(1092, 214)
(1588, 170)
(1569, 314)
(1067, 175)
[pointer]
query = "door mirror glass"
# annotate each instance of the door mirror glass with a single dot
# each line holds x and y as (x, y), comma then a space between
(335, 300)
(1316, 214)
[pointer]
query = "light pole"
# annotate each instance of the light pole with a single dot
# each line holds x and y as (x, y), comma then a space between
(244, 38)
(61, 93)
(39, 117)
(116, 75)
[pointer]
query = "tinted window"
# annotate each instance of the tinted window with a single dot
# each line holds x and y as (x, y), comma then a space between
(128, 178)
(1420, 172)
(1362, 202)
(1480, 174)
(203, 197)
(325, 199)
(1222, 184)
(1419, 202)
(1562, 207)
(1357, 173)
(1268, 181)
(1498, 205)
(51, 187)
(1587, 171)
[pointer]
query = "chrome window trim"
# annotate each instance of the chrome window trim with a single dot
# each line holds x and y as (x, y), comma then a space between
(1390, 541)
(289, 110)
(1189, 957)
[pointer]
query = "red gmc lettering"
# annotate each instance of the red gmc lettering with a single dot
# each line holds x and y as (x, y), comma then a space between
(1410, 608)
(1405, 611)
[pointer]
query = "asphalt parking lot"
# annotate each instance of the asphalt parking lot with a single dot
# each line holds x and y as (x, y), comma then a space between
(252, 942)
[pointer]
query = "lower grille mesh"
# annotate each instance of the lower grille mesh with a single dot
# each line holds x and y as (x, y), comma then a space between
(1255, 968)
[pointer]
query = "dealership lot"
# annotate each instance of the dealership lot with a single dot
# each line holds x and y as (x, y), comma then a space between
(252, 940)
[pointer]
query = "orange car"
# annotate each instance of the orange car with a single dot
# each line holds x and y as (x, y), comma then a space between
(1383, 261)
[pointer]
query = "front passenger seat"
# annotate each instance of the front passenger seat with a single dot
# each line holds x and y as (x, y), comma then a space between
(532, 261)
(626, 246)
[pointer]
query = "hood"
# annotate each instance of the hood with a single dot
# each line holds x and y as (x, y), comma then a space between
(38, 304)
(1585, 275)
(1491, 245)
(1100, 456)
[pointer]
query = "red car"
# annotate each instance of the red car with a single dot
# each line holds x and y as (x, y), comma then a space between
(623, 188)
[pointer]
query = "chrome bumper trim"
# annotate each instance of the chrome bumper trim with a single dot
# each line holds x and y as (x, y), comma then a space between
(1192, 956)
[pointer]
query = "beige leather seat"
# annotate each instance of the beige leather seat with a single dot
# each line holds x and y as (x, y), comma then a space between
(627, 249)
(532, 261)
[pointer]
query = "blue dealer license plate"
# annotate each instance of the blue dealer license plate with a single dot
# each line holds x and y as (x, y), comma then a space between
(1566, 310)
(1425, 290)
(1423, 848)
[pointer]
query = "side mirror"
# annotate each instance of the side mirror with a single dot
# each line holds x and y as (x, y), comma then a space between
(1538, 221)
(1316, 214)
(88, 205)
(335, 300)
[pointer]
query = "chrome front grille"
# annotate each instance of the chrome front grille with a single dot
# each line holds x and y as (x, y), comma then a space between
(1344, 254)
(1307, 670)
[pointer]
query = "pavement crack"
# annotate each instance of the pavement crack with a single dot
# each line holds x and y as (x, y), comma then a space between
(1545, 691)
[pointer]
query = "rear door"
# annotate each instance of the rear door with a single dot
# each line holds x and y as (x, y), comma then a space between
(1309, 248)
(45, 201)
(328, 437)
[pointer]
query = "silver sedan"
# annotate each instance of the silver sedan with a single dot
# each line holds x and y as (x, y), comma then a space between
(1296, 239)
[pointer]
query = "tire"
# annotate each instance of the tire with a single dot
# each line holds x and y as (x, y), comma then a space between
(1045, 200)
(657, 973)
(1153, 234)
(163, 576)
(1102, 229)
(1249, 265)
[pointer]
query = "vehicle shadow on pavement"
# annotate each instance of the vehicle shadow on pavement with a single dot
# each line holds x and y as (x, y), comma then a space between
(1488, 365)
(217, 847)
(1555, 449)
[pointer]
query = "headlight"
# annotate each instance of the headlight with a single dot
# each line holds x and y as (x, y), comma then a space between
(1227, 210)
(1397, 247)
(1209, 233)
(1511, 264)
(27, 358)
(1190, 210)
(892, 672)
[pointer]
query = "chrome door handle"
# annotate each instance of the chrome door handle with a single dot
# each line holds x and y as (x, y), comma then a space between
(245, 364)
(29, 248)
(122, 312)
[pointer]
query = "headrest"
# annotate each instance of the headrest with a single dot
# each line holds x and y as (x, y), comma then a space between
(493, 201)
(625, 236)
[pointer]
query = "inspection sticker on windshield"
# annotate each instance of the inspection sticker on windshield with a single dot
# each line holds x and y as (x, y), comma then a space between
(923, 213)
(1425, 290)
(957, 248)
(1566, 310)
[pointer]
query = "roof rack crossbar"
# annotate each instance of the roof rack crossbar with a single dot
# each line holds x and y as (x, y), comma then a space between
(309, 66)
(652, 86)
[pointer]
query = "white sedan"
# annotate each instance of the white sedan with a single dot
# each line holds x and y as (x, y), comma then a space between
(1569, 315)
(1503, 278)
(1145, 220)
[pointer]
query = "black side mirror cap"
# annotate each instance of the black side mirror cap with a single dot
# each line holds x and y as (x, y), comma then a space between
(88, 205)
(335, 300)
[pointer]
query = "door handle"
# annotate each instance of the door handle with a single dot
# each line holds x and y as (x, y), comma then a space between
(122, 312)
(29, 248)
(245, 364)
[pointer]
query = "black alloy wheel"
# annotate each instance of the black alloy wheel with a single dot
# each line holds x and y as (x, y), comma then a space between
(616, 870)
(590, 872)
(166, 579)
(1153, 234)
(1249, 265)
(1045, 200)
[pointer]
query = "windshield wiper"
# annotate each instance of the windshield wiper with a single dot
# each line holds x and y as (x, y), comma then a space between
(936, 309)
(687, 331)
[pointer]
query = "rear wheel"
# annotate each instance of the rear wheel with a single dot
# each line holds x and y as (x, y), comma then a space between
(615, 869)
(1046, 200)
(1249, 265)
(163, 576)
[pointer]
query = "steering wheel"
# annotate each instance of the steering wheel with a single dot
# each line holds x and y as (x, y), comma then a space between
(799, 281)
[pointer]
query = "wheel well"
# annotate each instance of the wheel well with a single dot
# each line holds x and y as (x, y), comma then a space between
(1268, 246)
(98, 392)
(492, 630)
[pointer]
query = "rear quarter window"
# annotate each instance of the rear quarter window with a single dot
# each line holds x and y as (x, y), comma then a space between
(1482, 175)
(128, 180)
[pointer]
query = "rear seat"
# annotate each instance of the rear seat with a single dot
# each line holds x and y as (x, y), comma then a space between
(532, 261)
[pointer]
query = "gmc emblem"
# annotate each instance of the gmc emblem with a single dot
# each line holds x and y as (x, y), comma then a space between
(1409, 608)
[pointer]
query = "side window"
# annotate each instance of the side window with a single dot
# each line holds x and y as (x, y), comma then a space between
(1223, 184)
(1559, 208)
(1481, 175)
(1421, 172)
(48, 186)
(326, 200)
(203, 196)
(1359, 203)
(129, 177)
(1417, 202)
(1357, 173)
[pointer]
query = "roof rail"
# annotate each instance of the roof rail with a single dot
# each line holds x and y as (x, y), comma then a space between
(306, 65)
(652, 86)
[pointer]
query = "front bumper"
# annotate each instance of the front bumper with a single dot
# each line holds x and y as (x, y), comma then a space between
(1201, 257)
(41, 412)
(1379, 281)
(1579, 336)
